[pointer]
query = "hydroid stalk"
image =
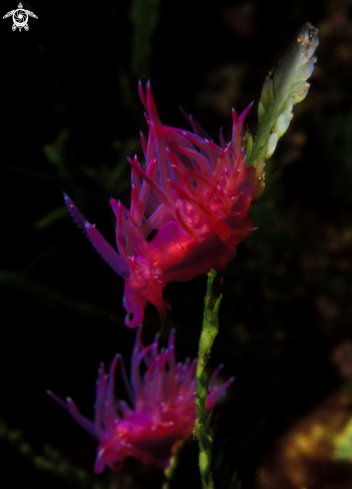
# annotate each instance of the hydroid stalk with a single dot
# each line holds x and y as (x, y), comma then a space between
(210, 329)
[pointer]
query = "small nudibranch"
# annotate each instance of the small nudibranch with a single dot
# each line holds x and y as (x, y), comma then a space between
(161, 410)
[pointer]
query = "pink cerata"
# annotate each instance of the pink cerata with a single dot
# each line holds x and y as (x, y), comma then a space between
(161, 413)
(195, 194)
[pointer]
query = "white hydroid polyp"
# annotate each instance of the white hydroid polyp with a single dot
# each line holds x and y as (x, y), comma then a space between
(282, 89)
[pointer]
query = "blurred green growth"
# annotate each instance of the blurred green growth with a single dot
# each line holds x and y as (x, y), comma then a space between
(79, 180)
(343, 444)
(224, 475)
(144, 17)
(19, 284)
(47, 469)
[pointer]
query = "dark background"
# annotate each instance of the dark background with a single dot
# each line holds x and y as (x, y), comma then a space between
(70, 116)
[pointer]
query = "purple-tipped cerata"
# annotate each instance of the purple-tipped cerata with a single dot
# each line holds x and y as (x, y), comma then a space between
(194, 193)
(160, 414)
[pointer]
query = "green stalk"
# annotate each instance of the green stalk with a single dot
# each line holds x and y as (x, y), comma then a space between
(210, 329)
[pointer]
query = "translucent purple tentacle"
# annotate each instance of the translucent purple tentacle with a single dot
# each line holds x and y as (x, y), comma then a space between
(100, 244)
(106, 251)
(71, 407)
(76, 215)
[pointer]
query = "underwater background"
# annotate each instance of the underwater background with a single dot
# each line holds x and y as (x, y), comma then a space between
(71, 116)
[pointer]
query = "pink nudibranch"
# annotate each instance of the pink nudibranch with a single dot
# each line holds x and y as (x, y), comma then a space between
(161, 411)
(194, 193)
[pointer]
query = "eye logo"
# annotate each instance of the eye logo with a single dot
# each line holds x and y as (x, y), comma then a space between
(20, 17)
